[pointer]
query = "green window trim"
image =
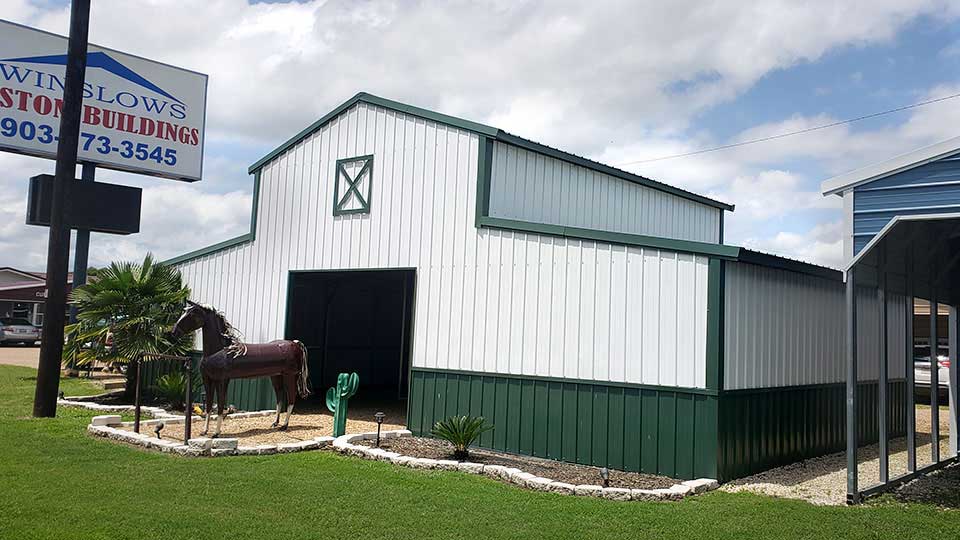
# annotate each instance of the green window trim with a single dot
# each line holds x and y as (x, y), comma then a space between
(363, 180)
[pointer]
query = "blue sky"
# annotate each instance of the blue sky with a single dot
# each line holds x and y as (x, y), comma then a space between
(611, 81)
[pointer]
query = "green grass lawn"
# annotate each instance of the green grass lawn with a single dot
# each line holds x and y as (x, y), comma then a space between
(57, 482)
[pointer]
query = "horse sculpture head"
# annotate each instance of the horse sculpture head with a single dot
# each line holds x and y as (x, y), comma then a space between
(193, 318)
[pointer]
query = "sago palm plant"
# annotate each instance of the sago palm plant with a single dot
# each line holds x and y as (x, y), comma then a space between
(136, 304)
(461, 432)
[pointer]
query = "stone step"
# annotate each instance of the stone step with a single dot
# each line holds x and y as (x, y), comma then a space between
(114, 384)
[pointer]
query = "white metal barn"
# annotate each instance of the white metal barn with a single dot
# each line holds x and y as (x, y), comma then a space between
(590, 314)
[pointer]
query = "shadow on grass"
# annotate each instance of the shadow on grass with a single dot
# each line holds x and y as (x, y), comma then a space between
(940, 488)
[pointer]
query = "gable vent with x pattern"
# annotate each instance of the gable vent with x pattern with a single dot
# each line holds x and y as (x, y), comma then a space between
(352, 185)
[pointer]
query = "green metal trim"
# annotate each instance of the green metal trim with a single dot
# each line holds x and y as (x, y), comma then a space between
(613, 384)
(364, 201)
(715, 308)
(685, 246)
(233, 242)
(382, 102)
(606, 169)
(484, 174)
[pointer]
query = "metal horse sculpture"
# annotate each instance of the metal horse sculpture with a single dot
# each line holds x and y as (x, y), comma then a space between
(225, 357)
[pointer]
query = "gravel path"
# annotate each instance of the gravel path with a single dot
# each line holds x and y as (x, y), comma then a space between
(823, 480)
(303, 426)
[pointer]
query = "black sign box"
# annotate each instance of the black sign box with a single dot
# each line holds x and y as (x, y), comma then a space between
(94, 206)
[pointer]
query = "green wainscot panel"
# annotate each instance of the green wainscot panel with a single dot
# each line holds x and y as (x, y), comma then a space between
(770, 427)
(666, 431)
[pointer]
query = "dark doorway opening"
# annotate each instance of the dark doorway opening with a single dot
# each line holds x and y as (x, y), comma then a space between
(354, 321)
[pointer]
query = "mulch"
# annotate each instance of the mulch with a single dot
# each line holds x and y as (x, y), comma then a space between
(547, 468)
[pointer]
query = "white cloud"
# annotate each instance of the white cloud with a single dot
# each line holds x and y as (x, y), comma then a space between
(599, 79)
(821, 244)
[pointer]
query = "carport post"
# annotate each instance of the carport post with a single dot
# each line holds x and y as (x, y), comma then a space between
(853, 493)
(911, 405)
(954, 355)
(934, 381)
(884, 446)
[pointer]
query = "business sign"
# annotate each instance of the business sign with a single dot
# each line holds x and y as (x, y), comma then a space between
(138, 115)
(93, 206)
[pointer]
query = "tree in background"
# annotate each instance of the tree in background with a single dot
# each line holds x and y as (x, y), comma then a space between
(128, 310)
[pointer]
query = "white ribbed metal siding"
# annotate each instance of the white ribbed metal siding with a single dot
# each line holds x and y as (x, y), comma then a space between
(528, 186)
(786, 329)
(486, 300)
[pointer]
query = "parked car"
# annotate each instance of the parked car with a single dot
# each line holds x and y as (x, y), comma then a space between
(922, 372)
(16, 330)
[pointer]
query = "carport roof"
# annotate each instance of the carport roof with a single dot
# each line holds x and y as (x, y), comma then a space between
(919, 253)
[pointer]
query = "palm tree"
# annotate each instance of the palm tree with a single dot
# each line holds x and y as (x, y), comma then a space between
(134, 304)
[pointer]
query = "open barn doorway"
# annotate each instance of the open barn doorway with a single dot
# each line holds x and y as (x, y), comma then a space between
(355, 321)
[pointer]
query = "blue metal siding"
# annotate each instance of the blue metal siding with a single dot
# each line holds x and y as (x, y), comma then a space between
(932, 188)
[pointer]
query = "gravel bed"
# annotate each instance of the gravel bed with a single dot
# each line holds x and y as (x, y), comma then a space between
(546, 468)
(303, 426)
(823, 480)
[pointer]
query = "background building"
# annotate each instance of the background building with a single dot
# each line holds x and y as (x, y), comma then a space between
(22, 294)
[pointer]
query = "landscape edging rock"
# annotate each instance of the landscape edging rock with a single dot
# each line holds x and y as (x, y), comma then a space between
(108, 426)
(344, 444)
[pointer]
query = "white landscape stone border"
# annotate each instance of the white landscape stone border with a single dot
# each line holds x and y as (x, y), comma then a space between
(344, 444)
(109, 426)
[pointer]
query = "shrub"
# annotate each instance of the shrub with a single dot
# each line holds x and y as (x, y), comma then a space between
(461, 432)
(172, 388)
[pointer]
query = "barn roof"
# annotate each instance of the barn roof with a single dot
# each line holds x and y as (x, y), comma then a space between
(493, 133)
(838, 184)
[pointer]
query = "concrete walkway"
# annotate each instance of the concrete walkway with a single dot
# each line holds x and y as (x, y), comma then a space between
(19, 355)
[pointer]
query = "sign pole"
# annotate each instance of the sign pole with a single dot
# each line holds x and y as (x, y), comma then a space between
(82, 249)
(81, 255)
(58, 247)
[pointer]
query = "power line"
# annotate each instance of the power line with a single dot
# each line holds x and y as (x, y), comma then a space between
(791, 133)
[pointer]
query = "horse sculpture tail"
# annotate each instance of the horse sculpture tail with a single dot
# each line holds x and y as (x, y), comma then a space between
(303, 381)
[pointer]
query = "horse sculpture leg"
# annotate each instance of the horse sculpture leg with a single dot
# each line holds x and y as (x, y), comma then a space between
(221, 409)
(290, 385)
(208, 390)
(277, 381)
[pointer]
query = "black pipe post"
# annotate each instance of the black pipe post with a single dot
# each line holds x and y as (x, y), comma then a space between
(188, 413)
(136, 397)
(58, 246)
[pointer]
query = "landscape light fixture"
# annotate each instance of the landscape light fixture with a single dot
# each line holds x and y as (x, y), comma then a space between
(158, 429)
(605, 475)
(379, 416)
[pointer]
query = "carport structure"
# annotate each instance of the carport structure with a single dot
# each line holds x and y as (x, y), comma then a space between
(901, 240)
(918, 257)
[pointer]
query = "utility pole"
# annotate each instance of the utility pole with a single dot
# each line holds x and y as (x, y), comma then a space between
(58, 247)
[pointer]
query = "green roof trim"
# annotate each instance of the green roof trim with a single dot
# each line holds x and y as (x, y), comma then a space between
(791, 265)
(233, 242)
(382, 102)
(670, 244)
(488, 131)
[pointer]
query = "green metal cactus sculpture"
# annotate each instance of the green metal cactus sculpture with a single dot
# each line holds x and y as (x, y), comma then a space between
(337, 400)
